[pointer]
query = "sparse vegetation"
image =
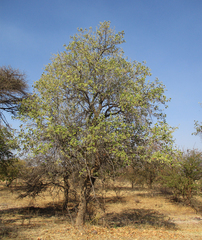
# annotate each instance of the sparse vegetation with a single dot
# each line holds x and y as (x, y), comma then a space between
(139, 213)
(183, 176)
(96, 149)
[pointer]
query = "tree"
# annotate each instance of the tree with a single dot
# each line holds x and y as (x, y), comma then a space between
(8, 167)
(198, 126)
(154, 151)
(13, 89)
(183, 175)
(90, 108)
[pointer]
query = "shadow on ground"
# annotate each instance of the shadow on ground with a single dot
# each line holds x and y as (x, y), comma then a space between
(47, 211)
(13, 220)
(9, 229)
(138, 217)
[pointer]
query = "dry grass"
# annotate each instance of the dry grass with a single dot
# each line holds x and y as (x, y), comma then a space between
(129, 214)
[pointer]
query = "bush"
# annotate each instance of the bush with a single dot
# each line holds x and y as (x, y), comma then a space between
(9, 166)
(182, 178)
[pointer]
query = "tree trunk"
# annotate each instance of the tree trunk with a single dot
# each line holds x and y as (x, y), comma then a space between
(86, 187)
(80, 218)
(87, 184)
(66, 191)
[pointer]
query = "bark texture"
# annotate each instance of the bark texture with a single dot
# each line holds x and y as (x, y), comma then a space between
(66, 191)
(86, 187)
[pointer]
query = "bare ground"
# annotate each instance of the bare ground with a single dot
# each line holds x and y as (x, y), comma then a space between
(129, 214)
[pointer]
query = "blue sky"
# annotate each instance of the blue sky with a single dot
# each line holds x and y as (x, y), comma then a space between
(167, 34)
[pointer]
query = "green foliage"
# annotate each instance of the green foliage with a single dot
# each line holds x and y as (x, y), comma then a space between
(182, 177)
(92, 103)
(93, 108)
(152, 154)
(198, 127)
(8, 168)
(13, 89)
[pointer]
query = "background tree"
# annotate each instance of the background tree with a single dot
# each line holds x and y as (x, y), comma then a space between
(42, 172)
(198, 126)
(13, 88)
(90, 108)
(8, 166)
(152, 153)
(182, 176)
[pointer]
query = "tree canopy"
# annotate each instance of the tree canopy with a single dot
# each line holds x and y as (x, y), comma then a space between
(92, 108)
(7, 157)
(198, 126)
(13, 88)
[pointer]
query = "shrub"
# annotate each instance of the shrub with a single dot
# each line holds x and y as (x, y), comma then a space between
(182, 177)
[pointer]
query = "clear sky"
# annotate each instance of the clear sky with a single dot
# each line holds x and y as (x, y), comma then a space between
(167, 34)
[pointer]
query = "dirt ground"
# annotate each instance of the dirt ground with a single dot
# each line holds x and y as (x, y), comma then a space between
(129, 214)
